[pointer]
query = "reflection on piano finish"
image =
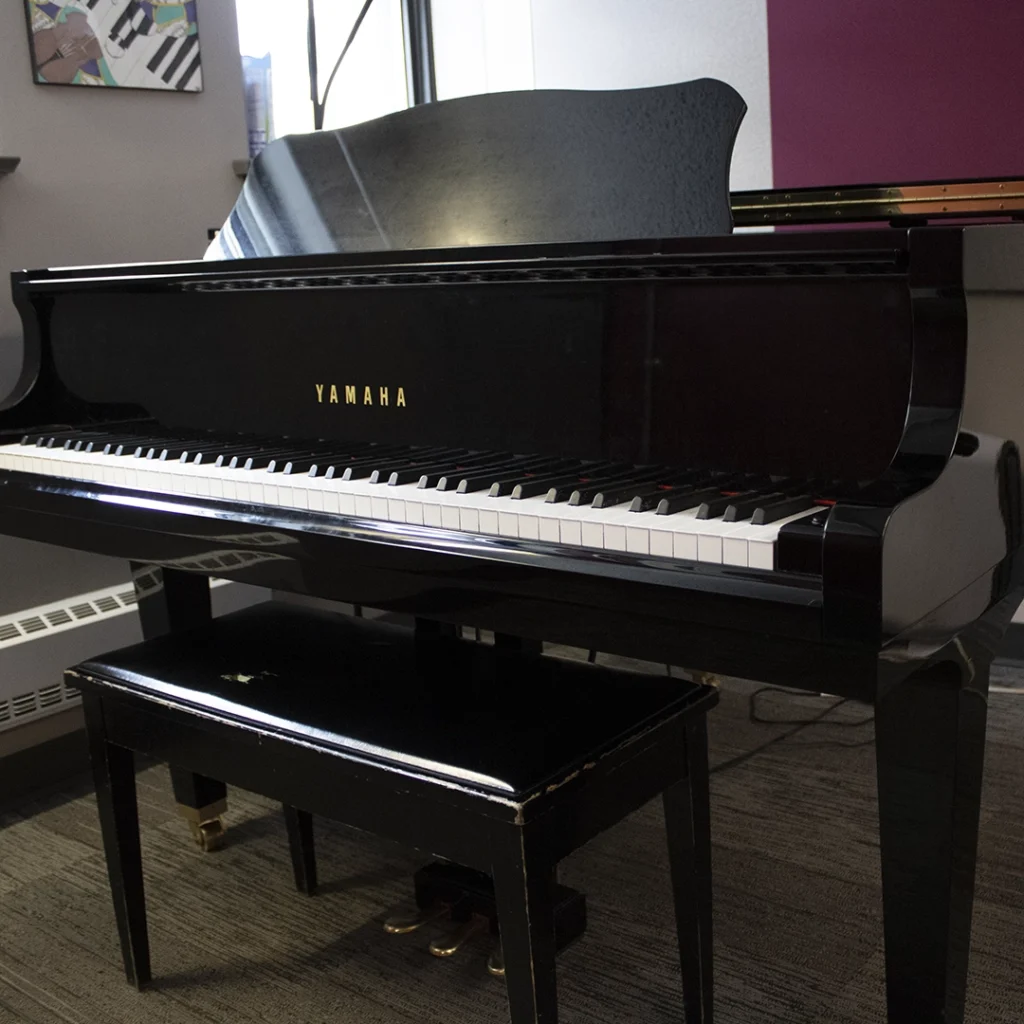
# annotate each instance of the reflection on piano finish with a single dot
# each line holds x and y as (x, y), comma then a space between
(706, 389)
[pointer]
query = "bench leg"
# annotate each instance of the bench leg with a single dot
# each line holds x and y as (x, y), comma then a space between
(170, 600)
(114, 774)
(688, 825)
(300, 844)
(201, 802)
(524, 897)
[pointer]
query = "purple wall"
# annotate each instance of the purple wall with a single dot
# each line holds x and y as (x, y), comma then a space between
(895, 90)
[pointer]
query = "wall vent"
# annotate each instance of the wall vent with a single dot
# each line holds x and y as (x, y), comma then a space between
(77, 611)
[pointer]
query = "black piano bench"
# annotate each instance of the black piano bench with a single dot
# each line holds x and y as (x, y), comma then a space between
(495, 759)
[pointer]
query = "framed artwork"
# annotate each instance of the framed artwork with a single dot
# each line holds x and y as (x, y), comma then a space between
(127, 44)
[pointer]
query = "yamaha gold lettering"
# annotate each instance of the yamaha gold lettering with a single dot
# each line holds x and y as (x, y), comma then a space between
(381, 396)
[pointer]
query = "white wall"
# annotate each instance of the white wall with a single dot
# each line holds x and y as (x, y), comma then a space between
(494, 45)
(110, 175)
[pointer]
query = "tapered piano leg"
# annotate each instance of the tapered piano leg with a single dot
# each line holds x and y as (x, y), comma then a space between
(171, 600)
(930, 749)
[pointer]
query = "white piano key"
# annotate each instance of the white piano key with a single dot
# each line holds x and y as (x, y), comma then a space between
(450, 517)
(759, 542)
(679, 536)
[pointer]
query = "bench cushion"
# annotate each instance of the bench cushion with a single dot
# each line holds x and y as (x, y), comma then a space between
(494, 721)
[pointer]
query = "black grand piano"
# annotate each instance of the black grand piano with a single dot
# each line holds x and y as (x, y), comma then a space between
(744, 453)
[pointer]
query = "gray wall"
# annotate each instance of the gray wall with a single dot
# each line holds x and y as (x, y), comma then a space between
(110, 175)
(107, 176)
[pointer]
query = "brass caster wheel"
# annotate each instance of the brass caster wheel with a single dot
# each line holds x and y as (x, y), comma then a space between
(496, 962)
(209, 835)
(450, 944)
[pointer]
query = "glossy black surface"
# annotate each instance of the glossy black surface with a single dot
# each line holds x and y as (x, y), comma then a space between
(528, 166)
(168, 602)
(620, 351)
(401, 702)
(837, 356)
(930, 745)
(167, 698)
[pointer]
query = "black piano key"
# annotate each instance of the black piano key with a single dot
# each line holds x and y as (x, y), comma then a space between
(58, 439)
(743, 508)
(363, 469)
(776, 510)
(276, 454)
(306, 460)
(588, 470)
(650, 498)
(139, 444)
(335, 469)
(324, 456)
(171, 450)
(237, 459)
(564, 492)
(715, 507)
(109, 444)
(481, 480)
(673, 503)
(499, 464)
(262, 459)
(131, 448)
(216, 455)
(504, 485)
(427, 475)
(382, 474)
(618, 494)
(636, 480)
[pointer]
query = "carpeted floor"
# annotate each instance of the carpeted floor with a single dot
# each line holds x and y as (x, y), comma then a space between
(797, 911)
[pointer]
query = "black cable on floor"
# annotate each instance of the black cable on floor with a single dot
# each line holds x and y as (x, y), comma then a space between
(797, 726)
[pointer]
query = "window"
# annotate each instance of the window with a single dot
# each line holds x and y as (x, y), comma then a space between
(371, 81)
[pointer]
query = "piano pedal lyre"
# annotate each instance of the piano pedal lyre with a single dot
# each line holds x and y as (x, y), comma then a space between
(450, 944)
(404, 923)
(206, 824)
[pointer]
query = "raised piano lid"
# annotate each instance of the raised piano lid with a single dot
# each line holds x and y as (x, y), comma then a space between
(545, 165)
(820, 355)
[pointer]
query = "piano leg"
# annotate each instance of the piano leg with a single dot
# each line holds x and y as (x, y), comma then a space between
(169, 600)
(930, 732)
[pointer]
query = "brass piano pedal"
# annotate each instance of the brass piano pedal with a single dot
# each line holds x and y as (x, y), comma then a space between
(414, 920)
(451, 943)
(496, 961)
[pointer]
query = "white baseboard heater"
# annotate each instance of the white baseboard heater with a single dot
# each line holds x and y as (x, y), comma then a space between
(37, 644)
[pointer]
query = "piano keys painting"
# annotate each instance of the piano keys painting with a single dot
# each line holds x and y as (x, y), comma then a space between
(132, 44)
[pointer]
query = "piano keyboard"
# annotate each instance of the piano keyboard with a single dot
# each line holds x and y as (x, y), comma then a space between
(646, 510)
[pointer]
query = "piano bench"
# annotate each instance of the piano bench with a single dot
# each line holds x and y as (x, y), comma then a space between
(498, 760)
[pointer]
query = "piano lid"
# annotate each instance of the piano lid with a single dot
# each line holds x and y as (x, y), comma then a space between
(531, 166)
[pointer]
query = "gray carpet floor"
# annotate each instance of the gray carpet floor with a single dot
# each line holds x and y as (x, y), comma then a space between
(797, 902)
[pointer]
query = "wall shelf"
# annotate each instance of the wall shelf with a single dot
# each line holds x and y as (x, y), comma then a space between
(8, 163)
